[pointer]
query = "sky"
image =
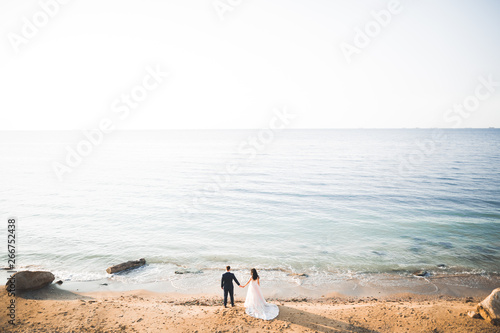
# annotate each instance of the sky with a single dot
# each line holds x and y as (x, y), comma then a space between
(67, 65)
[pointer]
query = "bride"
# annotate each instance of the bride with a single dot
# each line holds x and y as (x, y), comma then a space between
(255, 304)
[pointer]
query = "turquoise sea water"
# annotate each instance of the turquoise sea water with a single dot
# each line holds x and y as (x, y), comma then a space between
(328, 203)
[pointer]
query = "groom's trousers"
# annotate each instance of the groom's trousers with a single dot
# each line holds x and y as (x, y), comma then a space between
(229, 291)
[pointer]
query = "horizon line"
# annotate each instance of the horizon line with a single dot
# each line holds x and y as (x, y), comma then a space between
(249, 129)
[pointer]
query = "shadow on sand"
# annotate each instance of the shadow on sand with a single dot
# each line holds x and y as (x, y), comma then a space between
(51, 292)
(317, 322)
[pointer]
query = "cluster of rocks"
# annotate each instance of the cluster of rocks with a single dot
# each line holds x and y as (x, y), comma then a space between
(33, 280)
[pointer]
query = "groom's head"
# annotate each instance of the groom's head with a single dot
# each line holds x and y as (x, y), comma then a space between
(228, 268)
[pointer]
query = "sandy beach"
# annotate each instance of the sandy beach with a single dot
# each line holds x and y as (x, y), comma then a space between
(53, 309)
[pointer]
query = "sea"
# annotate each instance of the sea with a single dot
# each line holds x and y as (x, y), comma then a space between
(309, 209)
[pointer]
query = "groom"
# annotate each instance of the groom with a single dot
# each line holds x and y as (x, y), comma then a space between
(226, 283)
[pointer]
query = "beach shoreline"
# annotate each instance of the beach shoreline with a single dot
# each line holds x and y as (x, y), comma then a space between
(374, 285)
(55, 309)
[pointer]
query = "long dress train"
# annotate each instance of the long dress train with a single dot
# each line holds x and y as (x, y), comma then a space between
(256, 306)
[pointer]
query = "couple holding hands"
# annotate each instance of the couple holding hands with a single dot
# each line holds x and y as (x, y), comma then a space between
(255, 304)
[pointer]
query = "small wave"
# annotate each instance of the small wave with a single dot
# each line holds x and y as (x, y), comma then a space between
(78, 276)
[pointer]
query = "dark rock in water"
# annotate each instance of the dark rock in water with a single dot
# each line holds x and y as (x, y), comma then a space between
(483, 250)
(421, 273)
(59, 282)
(415, 249)
(298, 274)
(126, 265)
(29, 280)
(489, 308)
(446, 245)
(441, 266)
(187, 271)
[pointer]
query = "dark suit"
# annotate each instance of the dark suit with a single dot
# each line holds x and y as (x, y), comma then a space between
(227, 284)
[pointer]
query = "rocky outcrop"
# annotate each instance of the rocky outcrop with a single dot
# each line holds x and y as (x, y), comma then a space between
(489, 308)
(421, 273)
(28, 280)
(474, 314)
(126, 265)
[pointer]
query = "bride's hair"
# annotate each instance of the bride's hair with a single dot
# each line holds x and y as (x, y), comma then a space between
(255, 276)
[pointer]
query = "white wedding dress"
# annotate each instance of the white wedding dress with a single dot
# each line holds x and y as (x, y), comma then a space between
(255, 304)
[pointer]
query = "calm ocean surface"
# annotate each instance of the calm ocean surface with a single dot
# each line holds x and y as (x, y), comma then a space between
(329, 203)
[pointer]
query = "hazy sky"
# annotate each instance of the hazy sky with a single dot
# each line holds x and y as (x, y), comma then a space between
(231, 62)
